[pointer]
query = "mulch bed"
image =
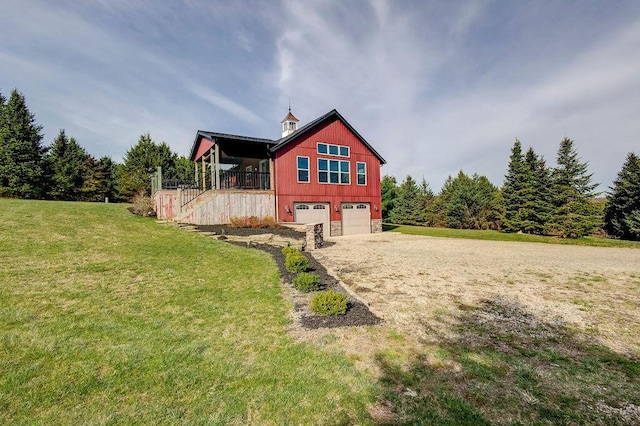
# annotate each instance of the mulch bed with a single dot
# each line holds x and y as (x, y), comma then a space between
(358, 314)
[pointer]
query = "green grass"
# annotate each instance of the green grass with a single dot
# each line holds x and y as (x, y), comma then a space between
(109, 318)
(503, 236)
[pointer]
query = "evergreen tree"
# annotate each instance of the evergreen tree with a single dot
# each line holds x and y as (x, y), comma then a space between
(537, 205)
(22, 165)
(622, 212)
(67, 165)
(140, 162)
(426, 196)
(573, 213)
(110, 168)
(184, 170)
(471, 203)
(408, 206)
(516, 191)
(389, 193)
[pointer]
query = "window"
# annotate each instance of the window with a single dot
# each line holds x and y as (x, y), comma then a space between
(333, 171)
(361, 206)
(303, 169)
(319, 207)
(302, 207)
(361, 171)
(337, 150)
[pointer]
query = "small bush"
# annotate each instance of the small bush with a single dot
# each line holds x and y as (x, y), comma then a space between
(253, 222)
(306, 282)
(143, 205)
(289, 250)
(329, 303)
(296, 262)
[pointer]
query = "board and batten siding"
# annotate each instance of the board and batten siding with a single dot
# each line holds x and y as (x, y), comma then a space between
(218, 207)
(290, 191)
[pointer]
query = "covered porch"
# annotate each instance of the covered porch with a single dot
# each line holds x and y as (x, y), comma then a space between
(223, 161)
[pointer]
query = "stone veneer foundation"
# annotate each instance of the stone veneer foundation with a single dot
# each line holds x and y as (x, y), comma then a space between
(336, 229)
(376, 226)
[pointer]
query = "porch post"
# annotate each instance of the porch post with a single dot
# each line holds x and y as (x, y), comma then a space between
(195, 171)
(217, 165)
(204, 175)
(213, 177)
(272, 180)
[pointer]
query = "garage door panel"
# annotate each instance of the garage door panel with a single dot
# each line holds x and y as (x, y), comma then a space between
(313, 213)
(356, 218)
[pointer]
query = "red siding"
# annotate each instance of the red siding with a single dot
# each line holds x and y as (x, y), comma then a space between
(289, 190)
(205, 146)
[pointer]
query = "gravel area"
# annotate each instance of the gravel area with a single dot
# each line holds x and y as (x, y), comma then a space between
(419, 284)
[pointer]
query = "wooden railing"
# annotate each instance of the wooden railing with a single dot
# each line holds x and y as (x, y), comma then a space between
(235, 179)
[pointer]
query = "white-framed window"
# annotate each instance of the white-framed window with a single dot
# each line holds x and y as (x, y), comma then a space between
(303, 169)
(330, 149)
(361, 173)
(333, 171)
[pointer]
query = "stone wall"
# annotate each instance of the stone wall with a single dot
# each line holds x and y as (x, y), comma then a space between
(336, 228)
(314, 236)
(376, 225)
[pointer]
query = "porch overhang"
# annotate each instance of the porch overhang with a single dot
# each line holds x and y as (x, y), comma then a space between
(231, 147)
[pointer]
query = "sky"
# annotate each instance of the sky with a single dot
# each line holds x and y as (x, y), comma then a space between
(434, 86)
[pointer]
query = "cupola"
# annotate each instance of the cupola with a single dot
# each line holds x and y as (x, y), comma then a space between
(289, 124)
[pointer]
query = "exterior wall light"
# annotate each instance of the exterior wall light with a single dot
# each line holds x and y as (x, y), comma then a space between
(287, 209)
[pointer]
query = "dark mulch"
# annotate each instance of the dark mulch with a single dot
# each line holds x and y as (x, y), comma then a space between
(357, 314)
(283, 231)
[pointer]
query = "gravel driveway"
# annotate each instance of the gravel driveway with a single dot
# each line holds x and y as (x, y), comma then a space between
(417, 284)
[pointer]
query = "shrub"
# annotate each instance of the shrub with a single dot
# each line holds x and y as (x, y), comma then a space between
(253, 222)
(296, 262)
(306, 282)
(143, 205)
(289, 250)
(329, 303)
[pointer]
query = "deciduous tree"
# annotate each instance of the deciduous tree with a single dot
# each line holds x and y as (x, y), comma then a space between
(389, 193)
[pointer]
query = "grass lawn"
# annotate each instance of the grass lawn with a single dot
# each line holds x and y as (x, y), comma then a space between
(504, 236)
(106, 317)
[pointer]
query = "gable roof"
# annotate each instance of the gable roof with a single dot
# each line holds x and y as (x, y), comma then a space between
(331, 115)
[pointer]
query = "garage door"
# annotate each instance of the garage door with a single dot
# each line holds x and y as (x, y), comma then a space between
(356, 218)
(313, 213)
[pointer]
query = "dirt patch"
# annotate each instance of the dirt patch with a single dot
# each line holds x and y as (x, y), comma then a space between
(418, 284)
(284, 232)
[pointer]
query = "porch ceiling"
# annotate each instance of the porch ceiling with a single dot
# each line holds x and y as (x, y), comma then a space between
(232, 147)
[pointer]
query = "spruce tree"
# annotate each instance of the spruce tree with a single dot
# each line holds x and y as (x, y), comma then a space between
(22, 165)
(622, 212)
(516, 191)
(388, 190)
(140, 162)
(537, 207)
(407, 208)
(573, 213)
(67, 165)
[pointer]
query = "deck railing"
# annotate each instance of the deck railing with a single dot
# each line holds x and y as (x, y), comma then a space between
(229, 179)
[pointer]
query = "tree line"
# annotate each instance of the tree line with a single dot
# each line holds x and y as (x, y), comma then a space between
(534, 199)
(64, 170)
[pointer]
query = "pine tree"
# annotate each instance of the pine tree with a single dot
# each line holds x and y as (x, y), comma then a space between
(389, 193)
(573, 213)
(516, 191)
(140, 161)
(472, 203)
(67, 165)
(537, 205)
(407, 208)
(622, 212)
(426, 195)
(22, 165)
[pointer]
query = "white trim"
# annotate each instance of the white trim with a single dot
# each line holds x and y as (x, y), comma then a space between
(358, 174)
(339, 172)
(298, 169)
(333, 155)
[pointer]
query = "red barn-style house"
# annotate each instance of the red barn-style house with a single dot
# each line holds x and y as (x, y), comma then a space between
(323, 172)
